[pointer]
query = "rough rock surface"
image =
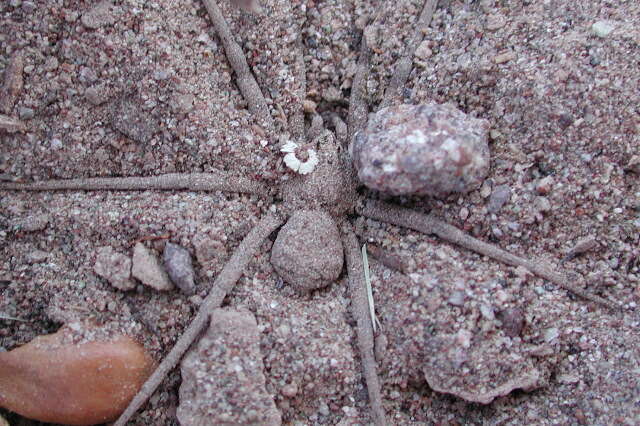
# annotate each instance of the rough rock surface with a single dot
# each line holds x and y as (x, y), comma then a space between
(458, 347)
(426, 149)
(114, 267)
(177, 262)
(308, 252)
(309, 353)
(146, 267)
(223, 380)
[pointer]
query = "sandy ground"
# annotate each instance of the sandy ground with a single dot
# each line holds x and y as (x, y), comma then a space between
(564, 107)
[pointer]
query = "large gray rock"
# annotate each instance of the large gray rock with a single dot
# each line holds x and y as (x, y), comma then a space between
(223, 380)
(425, 149)
(307, 253)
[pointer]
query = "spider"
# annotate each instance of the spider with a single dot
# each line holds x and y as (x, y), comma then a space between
(329, 193)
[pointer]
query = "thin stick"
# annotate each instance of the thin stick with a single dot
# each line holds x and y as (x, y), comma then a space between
(216, 181)
(364, 330)
(404, 64)
(225, 281)
(429, 224)
(244, 78)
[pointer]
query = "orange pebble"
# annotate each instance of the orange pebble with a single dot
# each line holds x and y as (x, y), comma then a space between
(53, 379)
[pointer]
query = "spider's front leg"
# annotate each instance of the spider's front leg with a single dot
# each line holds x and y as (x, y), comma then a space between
(214, 181)
(225, 281)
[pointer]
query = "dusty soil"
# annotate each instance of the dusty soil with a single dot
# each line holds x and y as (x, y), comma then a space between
(564, 108)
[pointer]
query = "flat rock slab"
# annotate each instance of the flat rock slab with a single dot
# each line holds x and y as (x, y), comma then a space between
(223, 380)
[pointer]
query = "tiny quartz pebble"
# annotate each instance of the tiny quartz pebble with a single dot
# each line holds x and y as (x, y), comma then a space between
(427, 149)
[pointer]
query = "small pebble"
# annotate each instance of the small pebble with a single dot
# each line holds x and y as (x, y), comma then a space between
(309, 106)
(495, 22)
(550, 334)
(512, 321)
(28, 6)
(26, 113)
(423, 51)
(146, 267)
(456, 298)
(114, 267)
(94, 95)
(182, 103)
(37, 256)
(289, 391)
(583, 245)
(544, 185)
(499, 197)
(487, 312)
(177, 262)
(542, 205)
(602, 28)
(98, 16)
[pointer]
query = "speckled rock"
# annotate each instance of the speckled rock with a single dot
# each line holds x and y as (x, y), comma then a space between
(307, 253)
(114, 267)
(146, 267)
(427, 149)
(177, 262)
(223, 380)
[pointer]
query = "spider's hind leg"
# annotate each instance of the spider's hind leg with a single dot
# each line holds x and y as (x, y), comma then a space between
(429, 224)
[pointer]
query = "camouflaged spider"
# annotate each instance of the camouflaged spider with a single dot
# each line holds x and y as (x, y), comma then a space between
(327, 189)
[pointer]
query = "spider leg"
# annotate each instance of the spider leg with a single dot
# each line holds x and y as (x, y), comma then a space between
(296, 122)
(244, 78)
(404, 64)
(358, 107)
(359, 304)
(225, 281)
(216, 181)
(429, 224)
